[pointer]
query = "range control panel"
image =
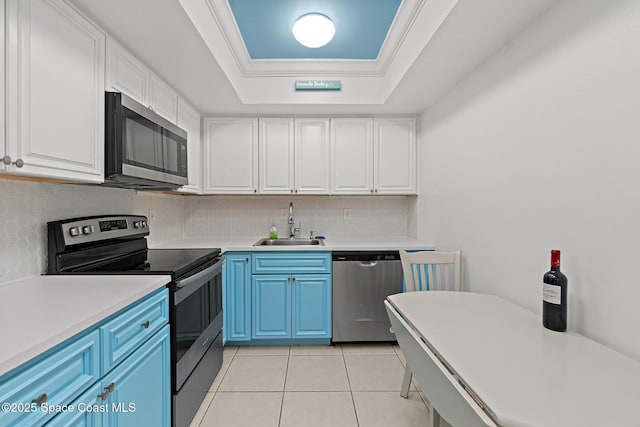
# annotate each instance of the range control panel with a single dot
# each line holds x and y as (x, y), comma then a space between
(94, 229)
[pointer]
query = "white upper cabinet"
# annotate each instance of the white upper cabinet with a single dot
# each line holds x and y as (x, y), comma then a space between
(395, 156)
(162, 99)
(294, 156)
(312, 154)
(231, 155)
(126, 74)
(55, 91)
(276, 152)
(352, 156)
(189, 120)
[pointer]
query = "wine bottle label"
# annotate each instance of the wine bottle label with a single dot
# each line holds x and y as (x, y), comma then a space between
(551, 294)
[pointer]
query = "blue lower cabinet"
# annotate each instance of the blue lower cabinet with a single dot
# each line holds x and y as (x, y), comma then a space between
(67, 386)
(271, 306)
(287, 306)
(87, 411)
(277, 298)
(138, 391)
(54, 379)
(237, 309)
(311, 306)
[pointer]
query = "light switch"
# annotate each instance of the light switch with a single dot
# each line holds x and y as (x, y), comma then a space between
(346, 213)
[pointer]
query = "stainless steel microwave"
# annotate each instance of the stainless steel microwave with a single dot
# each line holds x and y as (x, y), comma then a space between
(143, 150)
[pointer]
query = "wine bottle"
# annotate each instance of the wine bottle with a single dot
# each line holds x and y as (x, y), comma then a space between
(554, 296)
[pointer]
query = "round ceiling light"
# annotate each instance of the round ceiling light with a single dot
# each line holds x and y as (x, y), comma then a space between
(313, 30)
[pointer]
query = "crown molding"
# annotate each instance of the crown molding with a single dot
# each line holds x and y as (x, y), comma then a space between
(266, 81)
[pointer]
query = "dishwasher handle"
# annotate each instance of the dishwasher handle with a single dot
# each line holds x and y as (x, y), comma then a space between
(368, 264)
(365, 256)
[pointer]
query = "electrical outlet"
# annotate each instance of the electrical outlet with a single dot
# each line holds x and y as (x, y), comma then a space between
(284, 213)
(346, 213)
(152, 215)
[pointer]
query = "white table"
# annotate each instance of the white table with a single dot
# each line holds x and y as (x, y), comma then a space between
(523, 374)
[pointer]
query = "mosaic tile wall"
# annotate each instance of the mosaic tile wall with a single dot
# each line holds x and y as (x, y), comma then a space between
(25, 208)
(251, 216)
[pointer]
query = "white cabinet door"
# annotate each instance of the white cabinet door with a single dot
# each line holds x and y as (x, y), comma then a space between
(55, 82)
(276, 150)
(126, 74)
(231, 160)
(395, 156)
(189, 120)
(162, 98)
(352, 156)
(312, 151)
(2, 94)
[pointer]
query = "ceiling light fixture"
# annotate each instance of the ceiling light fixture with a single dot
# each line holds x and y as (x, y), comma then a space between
(313, 30)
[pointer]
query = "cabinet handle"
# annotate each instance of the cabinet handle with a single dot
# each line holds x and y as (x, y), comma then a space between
(110, 387)
(296, 191)
(7, 161)
(292, 191)
(376, 190)
(246, 260)
(41, 400)
(145, 325)
(255, 190)
(293, 279)
(372, 190)
(104, 395)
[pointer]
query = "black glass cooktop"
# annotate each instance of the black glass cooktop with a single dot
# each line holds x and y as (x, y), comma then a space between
(174, 262)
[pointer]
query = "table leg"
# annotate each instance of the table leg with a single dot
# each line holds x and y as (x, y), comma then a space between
(435, 417)
(406, 382)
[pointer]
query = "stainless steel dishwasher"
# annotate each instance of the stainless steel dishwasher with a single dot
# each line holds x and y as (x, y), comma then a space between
(362, 280)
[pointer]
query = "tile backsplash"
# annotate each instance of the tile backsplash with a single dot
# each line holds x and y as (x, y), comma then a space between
(25, 208)
(253, 216)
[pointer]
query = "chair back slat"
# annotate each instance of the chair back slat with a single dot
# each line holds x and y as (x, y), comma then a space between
(446, 281)
(423, 282)
(429, 270)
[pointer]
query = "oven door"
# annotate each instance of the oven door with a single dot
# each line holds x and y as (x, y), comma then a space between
(196, 318)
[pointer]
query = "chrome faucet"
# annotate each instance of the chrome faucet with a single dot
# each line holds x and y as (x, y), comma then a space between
(292, 227)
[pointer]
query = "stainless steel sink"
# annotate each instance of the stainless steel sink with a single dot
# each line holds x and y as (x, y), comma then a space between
(288, 242)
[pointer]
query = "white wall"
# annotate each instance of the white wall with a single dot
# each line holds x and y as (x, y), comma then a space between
(540, 149)
(25, 208)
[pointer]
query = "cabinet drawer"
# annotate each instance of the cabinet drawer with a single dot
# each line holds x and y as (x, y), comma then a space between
(127, 331)
(61, 376)
(292, 263)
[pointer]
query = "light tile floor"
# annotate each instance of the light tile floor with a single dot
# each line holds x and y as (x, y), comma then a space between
(340, 385)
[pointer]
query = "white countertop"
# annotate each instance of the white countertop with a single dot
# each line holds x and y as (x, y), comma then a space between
(40, 312)
(228, 244)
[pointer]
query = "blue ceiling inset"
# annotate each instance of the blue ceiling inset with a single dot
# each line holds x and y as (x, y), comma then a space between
(361, 27)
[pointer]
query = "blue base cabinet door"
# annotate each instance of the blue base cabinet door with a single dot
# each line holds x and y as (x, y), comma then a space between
(87, 411)
(138, 391)
(237, 312)
(311, 306)
(56, 379)
(271, 306)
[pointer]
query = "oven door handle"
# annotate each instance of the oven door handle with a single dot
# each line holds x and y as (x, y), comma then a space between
(209, 271)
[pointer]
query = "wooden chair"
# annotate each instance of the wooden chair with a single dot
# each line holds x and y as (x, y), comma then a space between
(429, 271)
